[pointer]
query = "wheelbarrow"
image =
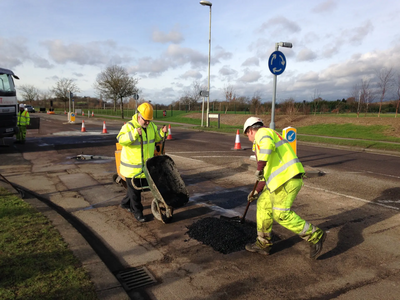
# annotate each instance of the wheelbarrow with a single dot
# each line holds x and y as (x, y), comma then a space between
(165, 184)
(118, 178)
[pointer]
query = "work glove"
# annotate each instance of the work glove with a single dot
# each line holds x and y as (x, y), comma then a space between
(259, 175)
(253, 197)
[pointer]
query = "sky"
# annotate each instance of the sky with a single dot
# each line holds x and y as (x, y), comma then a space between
(165, 44)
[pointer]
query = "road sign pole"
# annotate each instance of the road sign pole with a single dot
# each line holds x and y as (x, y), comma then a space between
(272, 124)
(277, 65)
(202, 114)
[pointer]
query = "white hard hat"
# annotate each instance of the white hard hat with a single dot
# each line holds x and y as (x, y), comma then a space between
(250, 122)
(21, 105)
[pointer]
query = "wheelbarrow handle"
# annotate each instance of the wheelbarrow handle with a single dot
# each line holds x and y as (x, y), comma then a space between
(133, 178)
(163, 142)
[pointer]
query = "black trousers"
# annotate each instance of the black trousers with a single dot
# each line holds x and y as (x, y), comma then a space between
(133, 199)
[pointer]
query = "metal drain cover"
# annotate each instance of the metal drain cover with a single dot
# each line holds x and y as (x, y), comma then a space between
(134, 278)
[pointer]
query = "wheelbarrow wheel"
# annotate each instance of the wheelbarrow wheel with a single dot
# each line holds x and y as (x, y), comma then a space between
(118, 180)
(114, 178)
(161, 212)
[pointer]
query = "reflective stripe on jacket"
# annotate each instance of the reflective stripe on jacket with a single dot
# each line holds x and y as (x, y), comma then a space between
(131, 155)
(282, 162)
(23, 118)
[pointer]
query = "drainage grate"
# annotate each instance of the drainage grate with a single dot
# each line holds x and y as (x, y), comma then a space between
(134, 278)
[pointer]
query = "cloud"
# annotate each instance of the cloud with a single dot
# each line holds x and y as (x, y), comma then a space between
(92, 53)
(179, 56)
(14, 52)
(325, 7)
(227, 73)
(191, 74)
(174, 36)
(220, 54)
(356, 35)
(250, 76)
(338, 80)
(306, 54)
(252, 61)
(281, 24)
(149, 65)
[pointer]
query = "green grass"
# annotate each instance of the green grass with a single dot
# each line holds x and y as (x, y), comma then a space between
(373, 132)
(35, 262)
(351, 143)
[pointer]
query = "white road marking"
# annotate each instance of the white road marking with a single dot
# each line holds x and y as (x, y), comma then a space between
(351, 197)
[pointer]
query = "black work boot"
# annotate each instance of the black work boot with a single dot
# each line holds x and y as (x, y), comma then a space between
(258, 247)
(316, 249)
(139, 216)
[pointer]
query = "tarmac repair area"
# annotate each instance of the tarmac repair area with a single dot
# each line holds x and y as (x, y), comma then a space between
(360, 258)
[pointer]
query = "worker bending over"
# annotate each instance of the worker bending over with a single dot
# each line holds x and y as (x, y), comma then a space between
(131, 155)
(280, 174)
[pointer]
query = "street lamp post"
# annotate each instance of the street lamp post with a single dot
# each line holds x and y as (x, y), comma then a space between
(208, 3)
(272, 124)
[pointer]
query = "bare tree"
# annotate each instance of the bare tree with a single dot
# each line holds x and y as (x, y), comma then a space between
(29, 92)
(230, 96)
(115, 83)
(385, 78)
(316, 99)
(366, 94)
(44, 96)
(255, 103)
(356, 94)
(62, 89)
(191, 95)
(397, 93)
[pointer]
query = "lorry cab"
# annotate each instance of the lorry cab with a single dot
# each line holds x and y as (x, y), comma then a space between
(8, 104)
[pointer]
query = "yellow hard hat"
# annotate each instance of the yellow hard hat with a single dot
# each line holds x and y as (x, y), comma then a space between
(146, 111)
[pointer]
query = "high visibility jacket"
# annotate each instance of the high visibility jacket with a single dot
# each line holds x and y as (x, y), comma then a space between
(282, 164)
(131, 154)
(23, 118)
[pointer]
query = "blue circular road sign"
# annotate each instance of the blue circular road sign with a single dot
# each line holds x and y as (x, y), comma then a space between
(291, 136)
(277, 63)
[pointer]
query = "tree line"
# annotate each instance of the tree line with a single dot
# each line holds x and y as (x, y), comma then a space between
(115, 85)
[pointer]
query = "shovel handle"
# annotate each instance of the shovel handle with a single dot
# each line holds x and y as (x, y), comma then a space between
(248, 203)
(163, 142)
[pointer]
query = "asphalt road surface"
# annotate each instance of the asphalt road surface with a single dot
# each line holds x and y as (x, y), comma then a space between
(356, 199)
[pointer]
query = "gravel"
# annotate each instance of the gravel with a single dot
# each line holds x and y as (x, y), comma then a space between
(223, 235)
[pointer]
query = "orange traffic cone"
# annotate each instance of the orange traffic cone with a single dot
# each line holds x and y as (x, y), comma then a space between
(83, 113)
(238, 146)
(169, 133)
(83, 126)
(65, 112)
(92, 113)
(104, 127)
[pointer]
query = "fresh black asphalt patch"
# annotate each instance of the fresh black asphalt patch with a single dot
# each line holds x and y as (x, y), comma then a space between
(222, 235)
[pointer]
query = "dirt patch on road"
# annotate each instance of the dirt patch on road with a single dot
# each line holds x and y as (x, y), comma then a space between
(282, 121)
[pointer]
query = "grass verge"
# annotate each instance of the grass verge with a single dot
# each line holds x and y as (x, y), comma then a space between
(35, 262)
(351, 143)
(371, 132)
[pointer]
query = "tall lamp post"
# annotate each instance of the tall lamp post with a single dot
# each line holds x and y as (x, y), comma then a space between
(208, 3)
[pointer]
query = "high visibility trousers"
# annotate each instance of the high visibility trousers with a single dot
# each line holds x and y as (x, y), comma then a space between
(22, 133)
(277, 206)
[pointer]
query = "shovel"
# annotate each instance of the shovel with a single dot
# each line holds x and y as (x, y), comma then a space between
(239, 219)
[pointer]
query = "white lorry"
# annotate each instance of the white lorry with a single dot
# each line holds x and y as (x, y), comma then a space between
(8, 104)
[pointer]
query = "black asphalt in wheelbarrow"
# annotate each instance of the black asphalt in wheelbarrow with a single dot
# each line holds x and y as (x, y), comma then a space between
(166, 185)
